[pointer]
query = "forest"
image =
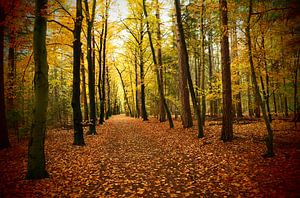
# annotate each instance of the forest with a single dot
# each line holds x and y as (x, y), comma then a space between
(149, 98)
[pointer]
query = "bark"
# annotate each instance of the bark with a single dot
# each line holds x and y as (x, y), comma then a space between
(227, 130)
(160, 87)
(100, 67)
(91, 67)
(296, 108)
(137, 107)
(4, 141)
(102, 102)
(84, 96)
(36, 168)
(269, 139)
(203, 100)
(186, 115)
(183, 60)
(77, 57)
(162, 113)
(108, 113)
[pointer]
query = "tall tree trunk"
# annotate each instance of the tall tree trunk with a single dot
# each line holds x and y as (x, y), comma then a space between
(210, 71)
(250, 105)
(102, 102)
(269, 139)
(186, 115)
(84, 96)
(160, 87)
(36, 168)
(162, 113)
(137, 107)
(141, 57)
(183, 61)
(203, 100)
(4, 141)
(91, 67)
(11, 74)
(296, 108)
(286, 110)
(77, 60)
(100, 68)
(227, 129)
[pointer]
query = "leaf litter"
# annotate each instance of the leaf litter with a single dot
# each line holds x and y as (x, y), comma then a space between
(132, 158)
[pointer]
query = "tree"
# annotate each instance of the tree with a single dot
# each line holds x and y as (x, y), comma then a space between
(269, 139)
(91, 68)
(185, 75)
(4, 141)
(77, 54)
(186, 115)
(160, 87)
(227, 130)
(36, 156)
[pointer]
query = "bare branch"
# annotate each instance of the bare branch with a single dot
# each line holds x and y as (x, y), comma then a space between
(62, 25)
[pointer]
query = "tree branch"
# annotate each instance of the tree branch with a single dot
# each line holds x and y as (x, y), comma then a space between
(62, 25)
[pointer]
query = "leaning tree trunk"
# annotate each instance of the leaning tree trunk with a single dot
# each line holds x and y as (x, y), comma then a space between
(186, 115)
(77, 55)
(183, 60)
(269, 139)
(162, 113)
(227, 129)
(36, 156)
(160, 87)
(4, 141)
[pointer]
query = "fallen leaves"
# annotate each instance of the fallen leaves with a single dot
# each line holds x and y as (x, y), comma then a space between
(131, 158)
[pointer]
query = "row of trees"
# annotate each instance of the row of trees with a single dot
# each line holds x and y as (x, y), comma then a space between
(225, 55)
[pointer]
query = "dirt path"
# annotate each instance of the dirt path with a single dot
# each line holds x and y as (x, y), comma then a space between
(129, 157)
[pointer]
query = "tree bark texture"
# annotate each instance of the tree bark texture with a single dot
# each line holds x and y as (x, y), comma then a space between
(84, 95)
(227, 130)
(77, 58)
(36, 168)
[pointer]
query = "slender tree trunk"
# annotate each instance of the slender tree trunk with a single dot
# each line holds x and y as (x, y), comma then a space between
(77, 58)
(4, 141)
(36, 168)
(160, 87)
(227, 129)
(296, 108)
(269, 139)
(100, 68)
(91, 66)
(162, 113)
(108, 113)
(102, 102)
(137, 107)
(125, 92)
(84, 96)
(183, 61)
(250, 106)
(286, 110)
(203, 100)
(186, 115)
(210, 72)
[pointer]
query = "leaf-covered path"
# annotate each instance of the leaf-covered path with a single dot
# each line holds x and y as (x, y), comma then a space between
(129, 157)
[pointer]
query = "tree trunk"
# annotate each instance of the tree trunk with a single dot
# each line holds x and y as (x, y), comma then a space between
(77, 58)
(162, 113)
(203, 100)
(269, 139)
(91, 67)
(227, 130)
(36, 168)
(108, 113)
(137, 107)
(84, 96)
(4, 141)
(125, 92)
(183, 60)
(102, 102)
(160, 87)
(186, 115)
(100, 68)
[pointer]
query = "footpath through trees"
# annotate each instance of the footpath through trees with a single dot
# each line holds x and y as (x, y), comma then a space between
(129, 157)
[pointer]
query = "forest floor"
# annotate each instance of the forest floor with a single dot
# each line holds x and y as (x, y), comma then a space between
(132, 158)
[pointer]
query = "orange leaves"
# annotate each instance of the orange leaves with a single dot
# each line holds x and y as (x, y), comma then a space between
(131, 158)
